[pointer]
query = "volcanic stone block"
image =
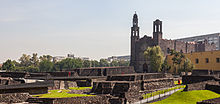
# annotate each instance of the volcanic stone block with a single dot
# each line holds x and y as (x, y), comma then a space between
(13, 97)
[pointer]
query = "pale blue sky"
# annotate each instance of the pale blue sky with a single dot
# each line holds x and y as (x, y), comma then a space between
(96, 28)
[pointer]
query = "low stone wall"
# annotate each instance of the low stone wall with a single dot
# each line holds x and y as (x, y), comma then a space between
(189, 79)
(13, 74)
(102, 71)
(200, 72)
(135, 77)
(82, 100)
(210, 101)
(119, 70)
(200, 85)
(158, 83)
(84, 83)
(8, 81)
(65, 84)
(13, 98)
(72, 100)
(130, 90)
(32, 88)
(214, 88)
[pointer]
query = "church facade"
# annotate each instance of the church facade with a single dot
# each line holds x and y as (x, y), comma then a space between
(139, 45)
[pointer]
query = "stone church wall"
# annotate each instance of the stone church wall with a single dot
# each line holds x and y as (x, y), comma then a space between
(190, 48)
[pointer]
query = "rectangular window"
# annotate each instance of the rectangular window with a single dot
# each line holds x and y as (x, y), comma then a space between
(217, 60)
(197, 61)
(206, 60)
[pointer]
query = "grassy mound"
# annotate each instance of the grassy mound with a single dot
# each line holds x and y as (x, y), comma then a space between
(190, 97)
(59, 94)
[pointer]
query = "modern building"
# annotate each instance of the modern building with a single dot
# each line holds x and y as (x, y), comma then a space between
(59, 58)
(209, 60)
(139, 45)
(210, 38)
(119, 58)
(83, 58)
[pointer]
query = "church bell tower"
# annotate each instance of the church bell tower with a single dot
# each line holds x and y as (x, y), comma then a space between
(157, 31)
(134, 39)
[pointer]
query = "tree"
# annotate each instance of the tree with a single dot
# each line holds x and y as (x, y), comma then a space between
(35, 60)
(32, 69)
(46, 57)
(69, 63)
(45, 66)
(103, 63)
(114, 63)
(187, 66)
(59, 65)
(8, 65)
(86, 63)
(78, 63)
(123, 63)
(25, 60)
(165, 66)
(95, 63)
(177, 59)
(155, 56)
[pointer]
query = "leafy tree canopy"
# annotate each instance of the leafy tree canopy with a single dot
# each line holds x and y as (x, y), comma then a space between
(155, 57)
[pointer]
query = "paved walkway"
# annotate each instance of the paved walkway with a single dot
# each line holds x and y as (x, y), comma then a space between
(157, 97)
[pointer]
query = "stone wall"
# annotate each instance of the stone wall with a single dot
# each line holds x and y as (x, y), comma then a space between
(157, 83)
(90, 72)
(13, 74)
(73, 100)
(119, 70)
(130, 90)
(214, 88)
(200, 72)
(61, 84)
(82, 100)
(200, 85)
(210, 101)
(32, 88)
(8, 81)
(13, 98)
(136, 77)
(189, 79)
(98, 71)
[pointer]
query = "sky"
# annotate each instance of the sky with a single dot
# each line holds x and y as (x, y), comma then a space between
(96, 28)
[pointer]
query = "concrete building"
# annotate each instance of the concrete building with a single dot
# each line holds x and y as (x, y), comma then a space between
(139, 45)
(211, 38)
(119, 58)
(83, 58)
(209, 60)
(59, 58)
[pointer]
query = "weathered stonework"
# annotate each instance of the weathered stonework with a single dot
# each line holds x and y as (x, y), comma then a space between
(13, 98)
(139, 45)
(72, 100)
(200, 85)
(128, 86)
(210, 101)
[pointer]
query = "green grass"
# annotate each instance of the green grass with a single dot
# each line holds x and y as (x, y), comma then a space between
(63, 94)
(161, 91)
(79, 88)
(189, 97)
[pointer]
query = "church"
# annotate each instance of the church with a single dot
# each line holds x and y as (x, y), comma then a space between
(139, 45)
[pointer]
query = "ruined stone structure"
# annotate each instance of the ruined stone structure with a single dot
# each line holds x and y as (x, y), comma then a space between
(139, 45)
(130, 87)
